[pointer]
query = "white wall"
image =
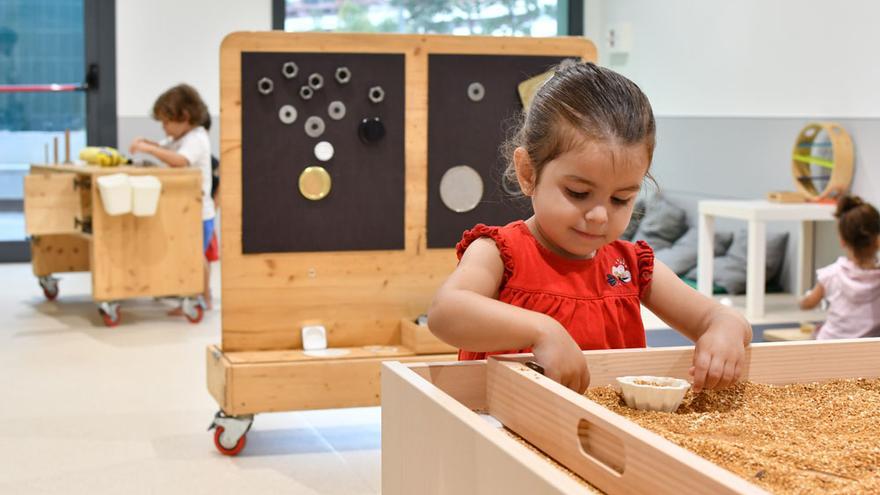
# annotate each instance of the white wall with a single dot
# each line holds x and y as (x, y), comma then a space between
(810, 58)
(161, 43)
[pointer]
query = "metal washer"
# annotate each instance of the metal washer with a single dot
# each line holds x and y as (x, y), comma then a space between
(287, 114)
(476, 91)
(314, 126)
(336, 110)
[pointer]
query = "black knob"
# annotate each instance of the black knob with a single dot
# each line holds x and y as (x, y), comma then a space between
(371, 130)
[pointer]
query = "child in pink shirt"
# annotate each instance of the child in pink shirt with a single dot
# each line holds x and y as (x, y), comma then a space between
(852, 283)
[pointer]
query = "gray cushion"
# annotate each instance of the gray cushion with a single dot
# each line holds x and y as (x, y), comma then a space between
(681, 256)
(662, 224)
(634, 221)
(730, 269)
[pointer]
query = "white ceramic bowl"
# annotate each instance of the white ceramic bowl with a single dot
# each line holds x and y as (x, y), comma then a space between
(653, 393)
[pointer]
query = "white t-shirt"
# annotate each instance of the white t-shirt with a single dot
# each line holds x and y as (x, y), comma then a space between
(196, 148)
(853, 295)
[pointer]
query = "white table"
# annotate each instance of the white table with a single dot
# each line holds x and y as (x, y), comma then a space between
(758, 213)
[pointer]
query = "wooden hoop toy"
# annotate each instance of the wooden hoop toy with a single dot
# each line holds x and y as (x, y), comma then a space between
(840, 163)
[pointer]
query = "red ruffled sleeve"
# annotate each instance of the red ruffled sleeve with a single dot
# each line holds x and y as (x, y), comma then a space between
(481, 230)
(645, 263)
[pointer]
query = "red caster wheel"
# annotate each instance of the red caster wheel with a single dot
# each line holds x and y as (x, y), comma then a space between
(49, 285)
(239, 446)
(110, 321)
(198, 314)
(110, 313)
(50, 294)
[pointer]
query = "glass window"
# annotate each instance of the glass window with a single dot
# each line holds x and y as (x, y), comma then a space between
(41, 42)
(466, 17)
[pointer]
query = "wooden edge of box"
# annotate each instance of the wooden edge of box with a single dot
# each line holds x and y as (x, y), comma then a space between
(420, 340)
(217, 374)
(613, 453)
(416, 414)
(242, 387)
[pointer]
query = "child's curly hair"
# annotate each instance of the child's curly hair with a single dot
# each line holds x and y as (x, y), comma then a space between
(182, 102)
(859, 225)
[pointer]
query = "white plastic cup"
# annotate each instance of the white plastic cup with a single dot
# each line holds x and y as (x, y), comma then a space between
(145, 192)
(115, 190)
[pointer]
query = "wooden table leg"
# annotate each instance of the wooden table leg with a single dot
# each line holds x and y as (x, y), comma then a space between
(756, 267)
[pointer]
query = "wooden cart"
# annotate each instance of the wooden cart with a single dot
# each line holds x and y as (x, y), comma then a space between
(433, 441)
(128, 256)
(366, 299)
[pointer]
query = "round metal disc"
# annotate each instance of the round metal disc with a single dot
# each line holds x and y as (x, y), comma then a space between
(324, 151)
(461, 189)
(314, 126)
(287, 114)
(314, 183)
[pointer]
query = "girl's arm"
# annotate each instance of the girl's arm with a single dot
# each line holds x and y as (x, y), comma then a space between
(814, 297)
(721, 334)
(172, 158)
(465, 313)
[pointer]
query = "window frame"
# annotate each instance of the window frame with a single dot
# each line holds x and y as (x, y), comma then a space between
(572, 18)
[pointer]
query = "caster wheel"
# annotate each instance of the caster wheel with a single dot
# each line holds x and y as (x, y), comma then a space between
(49, 285)
(110, 313)
(197, 315)
(239, 446)
(109, 320)
(51, 294)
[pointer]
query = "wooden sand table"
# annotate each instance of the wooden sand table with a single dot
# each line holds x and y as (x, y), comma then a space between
(799, 438)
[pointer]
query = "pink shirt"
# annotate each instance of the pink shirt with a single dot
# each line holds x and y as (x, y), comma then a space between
(853, 295)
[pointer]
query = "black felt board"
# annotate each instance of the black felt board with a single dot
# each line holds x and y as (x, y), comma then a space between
(463, 132)
(365, 207)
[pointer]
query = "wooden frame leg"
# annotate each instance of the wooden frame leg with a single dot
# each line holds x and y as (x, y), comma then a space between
(756, 268)
(804, 267)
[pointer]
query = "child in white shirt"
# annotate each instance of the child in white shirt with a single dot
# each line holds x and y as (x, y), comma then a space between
(852, 283)
(185, 120)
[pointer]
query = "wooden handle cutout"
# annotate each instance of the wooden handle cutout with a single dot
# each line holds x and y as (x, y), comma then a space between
(602, 447)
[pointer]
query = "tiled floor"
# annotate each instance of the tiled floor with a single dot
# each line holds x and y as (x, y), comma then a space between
(90, 409)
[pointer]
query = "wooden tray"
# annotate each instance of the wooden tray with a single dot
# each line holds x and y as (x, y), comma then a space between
(434, 442)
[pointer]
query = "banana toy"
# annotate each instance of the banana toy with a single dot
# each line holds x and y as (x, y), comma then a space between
(104, 156)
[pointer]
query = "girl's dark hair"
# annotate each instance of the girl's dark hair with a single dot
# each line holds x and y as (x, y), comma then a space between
(859, 225)
(582, 101)
(182, 102)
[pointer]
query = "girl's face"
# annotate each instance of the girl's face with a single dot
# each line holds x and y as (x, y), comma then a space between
(584, 198)
(176, 129)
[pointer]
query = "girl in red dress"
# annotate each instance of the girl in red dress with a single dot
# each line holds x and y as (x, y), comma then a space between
(561, 281)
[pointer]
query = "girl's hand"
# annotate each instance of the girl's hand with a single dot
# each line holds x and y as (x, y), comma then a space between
(560, 356)
(719, 357)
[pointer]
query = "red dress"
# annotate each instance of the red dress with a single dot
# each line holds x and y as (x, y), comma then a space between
(597, 300)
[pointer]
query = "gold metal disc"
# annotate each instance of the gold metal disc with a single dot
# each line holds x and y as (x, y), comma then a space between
(314, 183)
